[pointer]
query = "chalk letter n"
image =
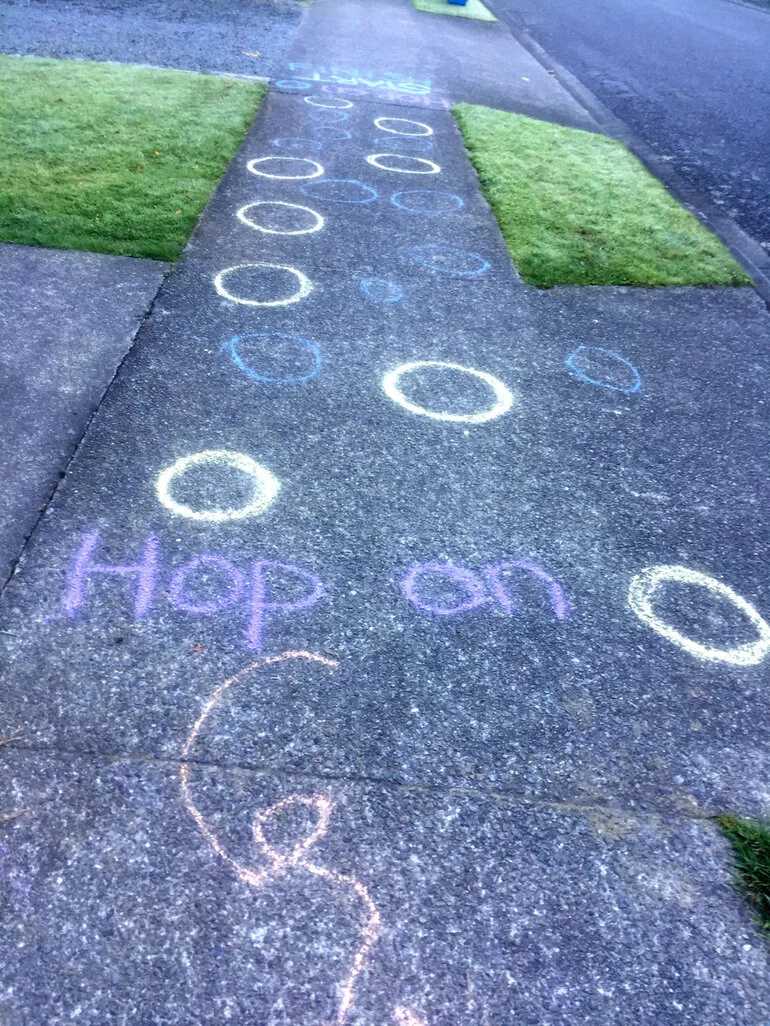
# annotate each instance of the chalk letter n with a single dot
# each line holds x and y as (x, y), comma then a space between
(84, 566)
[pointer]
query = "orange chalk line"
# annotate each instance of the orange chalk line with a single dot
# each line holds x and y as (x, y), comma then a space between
(297, 857)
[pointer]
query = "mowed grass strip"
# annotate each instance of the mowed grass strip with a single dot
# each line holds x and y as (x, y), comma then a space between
(750, 839)
(113, 158)
(579, 209)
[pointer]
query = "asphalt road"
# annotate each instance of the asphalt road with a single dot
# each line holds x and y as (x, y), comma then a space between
(690, 77)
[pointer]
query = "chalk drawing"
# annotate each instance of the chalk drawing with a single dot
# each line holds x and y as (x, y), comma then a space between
(238, 344)
(340, 190)
(177, 594)
(265, 485)
(503, 397)
(328, 116)
(379, 122)
(381, 291)
(427, 201)
(390, 80)
(332, 133)
(260, 606)
(305, 286)
(411, 142)
(295, 144)
(617, 373)
(449, 260)
(459, 578)
(333, 102)
(644, 590)
(293, 84)
(84, 567)
(316, 172)
(555, 591)
(298, 859)
(427, 167)
(245, 212)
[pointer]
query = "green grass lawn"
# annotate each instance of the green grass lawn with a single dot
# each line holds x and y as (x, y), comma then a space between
(579, 209)
(473, 9)
(750, 839)
(113, 158)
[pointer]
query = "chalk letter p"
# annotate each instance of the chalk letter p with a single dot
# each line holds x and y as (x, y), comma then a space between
(259, 604)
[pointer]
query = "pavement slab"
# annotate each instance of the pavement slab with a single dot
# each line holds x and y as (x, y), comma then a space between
(67, 320)
(359, 543)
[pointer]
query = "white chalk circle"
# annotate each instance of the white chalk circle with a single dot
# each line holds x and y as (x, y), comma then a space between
(265, 485)
(245, 215)
(403, 121)
(427, 166)
(502, 394)
(304, 289)
(316, 173)
(331, 102)
(641, 596)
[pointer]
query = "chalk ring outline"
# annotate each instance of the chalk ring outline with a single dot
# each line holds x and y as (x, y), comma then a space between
(503, 395)
(305, 286)
(341, 181)
(570, 362)
(406, 121)
(641, 593)
(342, 105)
(416, 253)
(285, 178)
(280, 203)
(374, 158)
(267, 485)
(394, 199)
(231, 346)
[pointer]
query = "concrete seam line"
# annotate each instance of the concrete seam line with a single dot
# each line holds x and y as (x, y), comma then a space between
(743, 247)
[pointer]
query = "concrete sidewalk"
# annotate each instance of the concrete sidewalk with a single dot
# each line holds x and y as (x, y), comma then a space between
(335, 709)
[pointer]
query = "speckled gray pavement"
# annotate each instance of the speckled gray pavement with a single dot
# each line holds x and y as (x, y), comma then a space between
(66, 321)
(393, 749)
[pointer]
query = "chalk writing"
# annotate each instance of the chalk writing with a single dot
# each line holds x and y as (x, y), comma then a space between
(246, 215)
(309, 73)
(391, 386)
(427, 201)
(645, 588)
(602, 367)
(265, 486)
(381, 291)
(206, 585)
(385, 162)
(446, 589)
(380, 123)
(449, 260)
(256, 167)
(304, 285)
(340, 190)
(238, 349)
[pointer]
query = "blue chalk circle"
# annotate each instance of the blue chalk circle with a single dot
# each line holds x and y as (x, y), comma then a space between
(406, 142)
(297, 145)
(427, 201)
(449, 260)
(297, 84)
(332, 133)
(328, 114)
(340, 190)
(602, 367)
(271, 347)
(381, 291)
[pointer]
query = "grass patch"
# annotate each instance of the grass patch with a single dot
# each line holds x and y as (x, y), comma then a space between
(750, 839)
(473, 9)
(579, 209)
(113, 158)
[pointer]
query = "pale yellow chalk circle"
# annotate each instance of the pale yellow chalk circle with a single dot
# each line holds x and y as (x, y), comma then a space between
(379, 122)
(252, 166)
(641, 596)
(502, 394)
(266, 485)
(243, 215)
(304, 289)
(332, 102)
(375, 159)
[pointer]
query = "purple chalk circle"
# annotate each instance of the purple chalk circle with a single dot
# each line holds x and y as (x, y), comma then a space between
(254, 277)
(331, 133)
(449, 260)
(295, 144)
(304, 355)
(403, 164)
(381, 291)
(233, 591)
(427, 201)
(462, 581)
(340, 190)
(265, 485)
(329, 102)
(503, 399)
(304, 219)
(282, 168)
(555, 591)
(602, 367)
(384, 126)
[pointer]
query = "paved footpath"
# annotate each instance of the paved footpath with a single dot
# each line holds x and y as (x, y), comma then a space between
(347, 693)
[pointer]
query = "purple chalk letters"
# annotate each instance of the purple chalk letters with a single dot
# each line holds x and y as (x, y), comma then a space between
(84, 567)
(259, 587)
(234, 592)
